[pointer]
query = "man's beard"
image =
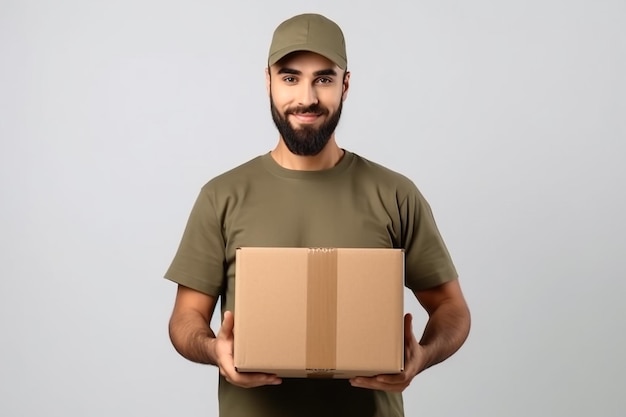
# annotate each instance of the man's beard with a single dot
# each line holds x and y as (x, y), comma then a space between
(307, 140)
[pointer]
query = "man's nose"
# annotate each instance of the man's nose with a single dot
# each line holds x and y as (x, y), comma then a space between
(306, 95)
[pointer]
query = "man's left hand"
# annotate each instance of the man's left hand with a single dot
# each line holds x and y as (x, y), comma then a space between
(413, 364)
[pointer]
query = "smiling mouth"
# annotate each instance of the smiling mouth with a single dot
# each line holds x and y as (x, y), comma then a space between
(306, 117)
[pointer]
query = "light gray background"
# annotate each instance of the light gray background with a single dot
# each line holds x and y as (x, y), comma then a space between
(509, 116)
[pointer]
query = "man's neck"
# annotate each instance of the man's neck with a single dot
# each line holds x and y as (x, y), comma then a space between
(327, 158)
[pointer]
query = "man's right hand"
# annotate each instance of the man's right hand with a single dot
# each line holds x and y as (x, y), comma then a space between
(193, 338)
(223, 347)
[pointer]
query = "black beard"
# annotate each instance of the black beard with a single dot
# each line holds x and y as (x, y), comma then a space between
(306, 141)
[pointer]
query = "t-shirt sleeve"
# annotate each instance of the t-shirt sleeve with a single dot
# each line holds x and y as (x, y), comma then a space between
(199, 260)
(427, 260)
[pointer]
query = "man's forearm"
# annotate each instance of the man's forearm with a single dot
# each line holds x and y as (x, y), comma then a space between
(192, 337)
(446, 331)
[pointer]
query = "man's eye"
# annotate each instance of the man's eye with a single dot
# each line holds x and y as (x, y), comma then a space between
(324, 80)
(289, 79)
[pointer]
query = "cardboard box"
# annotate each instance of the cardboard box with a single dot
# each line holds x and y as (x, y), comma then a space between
(319, 312)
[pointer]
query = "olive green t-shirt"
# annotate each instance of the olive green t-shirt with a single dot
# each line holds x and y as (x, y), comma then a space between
(355, 204)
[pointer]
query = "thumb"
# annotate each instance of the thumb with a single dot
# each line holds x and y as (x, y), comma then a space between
(228, 324)
(408, 326)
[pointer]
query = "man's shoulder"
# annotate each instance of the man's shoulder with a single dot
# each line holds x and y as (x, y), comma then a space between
(380, 172)
(238, 175)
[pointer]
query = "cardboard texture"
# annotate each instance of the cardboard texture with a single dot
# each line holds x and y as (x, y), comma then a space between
(319, 312)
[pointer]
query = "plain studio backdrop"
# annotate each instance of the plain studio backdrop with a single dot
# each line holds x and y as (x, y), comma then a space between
(509, 116)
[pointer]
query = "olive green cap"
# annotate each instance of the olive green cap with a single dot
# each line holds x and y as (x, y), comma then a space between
(309, 32)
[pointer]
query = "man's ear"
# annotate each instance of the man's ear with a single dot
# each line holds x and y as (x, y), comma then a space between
(346, 86)
(267, 80)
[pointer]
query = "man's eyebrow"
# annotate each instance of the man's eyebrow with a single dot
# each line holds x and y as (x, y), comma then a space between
(329, 71)
(289, 71)
(292, 71)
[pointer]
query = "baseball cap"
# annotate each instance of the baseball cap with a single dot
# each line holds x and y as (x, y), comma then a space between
(309, 32)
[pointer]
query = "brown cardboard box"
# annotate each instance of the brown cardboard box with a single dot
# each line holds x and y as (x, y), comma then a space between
(319, 312)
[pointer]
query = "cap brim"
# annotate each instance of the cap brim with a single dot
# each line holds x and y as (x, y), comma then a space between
(281, 53)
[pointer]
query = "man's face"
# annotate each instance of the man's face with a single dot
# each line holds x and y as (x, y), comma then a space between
(306, 95)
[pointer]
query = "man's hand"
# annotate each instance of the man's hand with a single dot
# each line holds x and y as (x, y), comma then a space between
(447, 329)
(193, 338)
(413, 364)
(223, 346)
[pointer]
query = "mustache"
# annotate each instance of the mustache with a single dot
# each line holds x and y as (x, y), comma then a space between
(314, 108)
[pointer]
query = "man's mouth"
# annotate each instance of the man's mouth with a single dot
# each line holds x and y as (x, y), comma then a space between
(306, 117)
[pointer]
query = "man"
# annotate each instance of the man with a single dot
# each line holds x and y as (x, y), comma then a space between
(309, 192)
